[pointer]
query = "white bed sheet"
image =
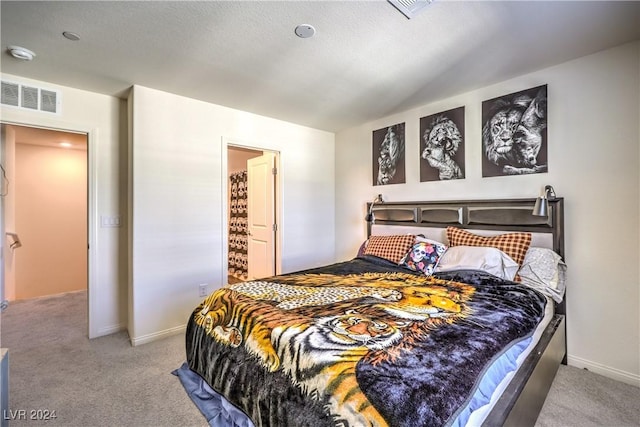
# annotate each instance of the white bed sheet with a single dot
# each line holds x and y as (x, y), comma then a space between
(479, 414)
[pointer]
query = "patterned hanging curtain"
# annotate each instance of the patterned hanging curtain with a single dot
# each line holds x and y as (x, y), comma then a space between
(238, 226)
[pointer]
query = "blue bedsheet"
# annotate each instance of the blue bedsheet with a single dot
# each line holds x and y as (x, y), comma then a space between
(215, 408)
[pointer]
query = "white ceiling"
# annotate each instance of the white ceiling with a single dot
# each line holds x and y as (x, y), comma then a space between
(366, 61)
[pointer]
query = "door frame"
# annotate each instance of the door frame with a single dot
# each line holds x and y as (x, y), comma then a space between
(252, 145)
(92, 210)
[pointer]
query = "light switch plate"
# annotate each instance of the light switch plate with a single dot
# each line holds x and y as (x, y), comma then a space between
(107, 221)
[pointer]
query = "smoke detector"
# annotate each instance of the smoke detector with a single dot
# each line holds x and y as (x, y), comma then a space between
(304, 31)
(74, 37)
(21, 53)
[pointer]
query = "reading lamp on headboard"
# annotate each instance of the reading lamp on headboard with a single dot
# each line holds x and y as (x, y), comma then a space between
(370, 216)
(541, 208)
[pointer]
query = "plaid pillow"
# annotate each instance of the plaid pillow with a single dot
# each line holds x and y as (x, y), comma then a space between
(393, 248)
(513, 244)
(362, 247)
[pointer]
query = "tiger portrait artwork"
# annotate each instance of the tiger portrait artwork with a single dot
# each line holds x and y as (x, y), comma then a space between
(388, 155)
(306, 327)
(514, 133)
(442, 155)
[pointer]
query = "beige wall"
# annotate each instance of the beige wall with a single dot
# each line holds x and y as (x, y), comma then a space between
(178, 169)
(594, 142)
(51, 218)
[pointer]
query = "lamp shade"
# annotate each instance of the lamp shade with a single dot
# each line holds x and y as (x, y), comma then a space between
(370, 215)
(541, 208)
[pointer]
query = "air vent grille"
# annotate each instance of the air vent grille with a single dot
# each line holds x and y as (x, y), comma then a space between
(30, 97)
(10, 94)
(48, 100)
(410, 8)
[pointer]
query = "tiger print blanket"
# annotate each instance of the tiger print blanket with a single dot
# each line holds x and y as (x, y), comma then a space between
(359, 343)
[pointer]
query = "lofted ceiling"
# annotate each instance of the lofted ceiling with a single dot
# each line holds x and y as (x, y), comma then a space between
(366, 60)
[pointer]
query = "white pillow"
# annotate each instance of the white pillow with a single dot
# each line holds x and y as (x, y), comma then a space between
(421, 238)
(485, 258)
(543, 269)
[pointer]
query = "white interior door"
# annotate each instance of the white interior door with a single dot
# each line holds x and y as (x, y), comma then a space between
(261, 216)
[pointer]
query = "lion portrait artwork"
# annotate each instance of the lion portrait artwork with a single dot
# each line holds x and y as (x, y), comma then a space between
(388, 155)
(514, 133)
(443, 146)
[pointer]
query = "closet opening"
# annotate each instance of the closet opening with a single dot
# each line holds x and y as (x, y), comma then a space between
(251, 213)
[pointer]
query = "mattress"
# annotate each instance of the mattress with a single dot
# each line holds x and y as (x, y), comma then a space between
(364, 342)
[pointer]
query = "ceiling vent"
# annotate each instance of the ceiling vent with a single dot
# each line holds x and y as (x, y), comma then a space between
(30, 98)
(410, 8)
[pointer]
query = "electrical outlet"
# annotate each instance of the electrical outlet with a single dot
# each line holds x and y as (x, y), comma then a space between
(203, 289)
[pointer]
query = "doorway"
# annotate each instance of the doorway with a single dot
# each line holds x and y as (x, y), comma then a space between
(251, 213)
(45, 216)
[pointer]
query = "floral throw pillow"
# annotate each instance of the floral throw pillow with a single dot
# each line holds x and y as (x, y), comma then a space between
(424, 257)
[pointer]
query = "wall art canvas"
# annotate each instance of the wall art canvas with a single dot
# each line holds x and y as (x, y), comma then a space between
(388, 155)
(442, 146)
(514, 133)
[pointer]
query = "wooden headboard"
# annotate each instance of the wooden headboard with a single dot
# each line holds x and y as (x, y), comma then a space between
(500, 215)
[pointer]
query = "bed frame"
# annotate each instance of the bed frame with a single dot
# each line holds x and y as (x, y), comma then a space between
(523, 398)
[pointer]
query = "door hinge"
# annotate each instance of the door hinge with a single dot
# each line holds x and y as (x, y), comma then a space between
(275, 227)
(274, 171)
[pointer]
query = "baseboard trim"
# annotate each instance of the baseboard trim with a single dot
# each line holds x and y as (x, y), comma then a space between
(110, 330)
(144, 339)
(606, 371)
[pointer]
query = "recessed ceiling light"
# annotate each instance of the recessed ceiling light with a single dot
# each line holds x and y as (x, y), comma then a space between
(21, 53)
(66, 144)
(71, 36)
(305, 31)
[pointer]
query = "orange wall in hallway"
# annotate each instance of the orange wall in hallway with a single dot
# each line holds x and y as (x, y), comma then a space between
(51, 219)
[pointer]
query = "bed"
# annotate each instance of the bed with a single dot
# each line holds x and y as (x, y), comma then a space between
(435, 322)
